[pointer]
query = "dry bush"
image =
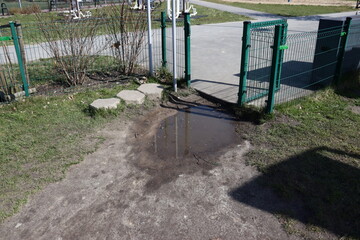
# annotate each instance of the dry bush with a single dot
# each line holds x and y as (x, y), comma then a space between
(127, 31)
(34, 8)
(72, 45)
(14, 11)
(6, 76)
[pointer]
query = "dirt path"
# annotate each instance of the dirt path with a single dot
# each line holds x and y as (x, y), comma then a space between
(122, 192)
(302, 2)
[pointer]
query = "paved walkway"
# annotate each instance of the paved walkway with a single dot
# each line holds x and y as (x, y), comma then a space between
(216, 49)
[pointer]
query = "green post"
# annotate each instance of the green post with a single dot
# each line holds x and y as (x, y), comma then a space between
(187, 49)
(282, 42)
(274, 68)
(244, 62)
(19, 58)
(340, 59)
(163, 39)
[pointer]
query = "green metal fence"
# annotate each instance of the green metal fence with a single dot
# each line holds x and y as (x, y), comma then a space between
(256, 59)
(13, 77)
(278, 67)
(183, 57)
(41, 41)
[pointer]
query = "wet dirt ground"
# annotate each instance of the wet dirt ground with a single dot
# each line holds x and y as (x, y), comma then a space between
(166, 175)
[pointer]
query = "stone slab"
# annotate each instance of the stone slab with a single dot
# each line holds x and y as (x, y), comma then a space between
(131, 96)
(152, 90)
(107, 103)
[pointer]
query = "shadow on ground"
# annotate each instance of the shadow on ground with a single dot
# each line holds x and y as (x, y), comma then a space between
(327, 191)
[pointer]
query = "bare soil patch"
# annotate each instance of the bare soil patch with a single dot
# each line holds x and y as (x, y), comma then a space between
(122, 191)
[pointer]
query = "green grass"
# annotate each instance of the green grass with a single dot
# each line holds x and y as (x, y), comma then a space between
(42, 5)
(311, 153)
(210, 16)
(40, 137)
(42, 71)
(205, 16)
(32, 34)
(288, 10)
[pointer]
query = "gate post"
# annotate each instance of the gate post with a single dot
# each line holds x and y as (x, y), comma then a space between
(187, 49)
(282, 42)
(19, 57)
(274, 68)
(344, 36)
(163, 39)
(244, 62)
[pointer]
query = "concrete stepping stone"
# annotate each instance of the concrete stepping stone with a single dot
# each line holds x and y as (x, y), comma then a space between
(131, 96)
(108, 103)
(152, 90)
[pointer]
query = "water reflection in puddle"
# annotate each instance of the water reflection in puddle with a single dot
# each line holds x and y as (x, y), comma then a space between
(194, 130)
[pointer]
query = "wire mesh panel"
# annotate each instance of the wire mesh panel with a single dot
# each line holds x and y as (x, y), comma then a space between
(180, 47)
(309, 62)
(106, 41)
(256, 61)
(10, 79)
(259, 62)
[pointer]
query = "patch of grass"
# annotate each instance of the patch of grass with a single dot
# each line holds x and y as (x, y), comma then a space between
(287, 10)
(311, 153)
(208, 15)
(43, 71)
(32, 33)
(40, 137)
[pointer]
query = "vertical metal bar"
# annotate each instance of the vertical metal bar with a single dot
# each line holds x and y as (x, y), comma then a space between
(244, 62)
(173, 17)
(22, 48)
(341, 53)
(282, 42)
(163, 39)
(274, 69)
(149, 38)
(19, 58)
(187, 49)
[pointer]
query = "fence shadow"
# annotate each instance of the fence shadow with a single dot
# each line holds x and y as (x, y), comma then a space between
(319, 190)
(300, 70)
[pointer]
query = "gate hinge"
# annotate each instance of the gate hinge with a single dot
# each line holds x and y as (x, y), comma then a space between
(283, 47)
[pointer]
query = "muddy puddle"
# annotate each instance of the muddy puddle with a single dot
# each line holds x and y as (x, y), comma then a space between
(172, 141)
(193, 132)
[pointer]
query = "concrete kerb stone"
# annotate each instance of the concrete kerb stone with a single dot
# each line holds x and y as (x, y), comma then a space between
(152, 90)
(107, 103)
(131, 96)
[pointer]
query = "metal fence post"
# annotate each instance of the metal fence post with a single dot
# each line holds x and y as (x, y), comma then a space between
(163, 39)
(19, 57)
(340, 58)
(150, 40)
(244, 62)
(22, 48)
(187, 49)
(274, 69)
(282, 42)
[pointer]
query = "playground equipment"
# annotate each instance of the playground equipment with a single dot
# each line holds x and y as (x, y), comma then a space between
(4, 9)
(138, 5)
(142, 4)
(75, 11)
(181, 7)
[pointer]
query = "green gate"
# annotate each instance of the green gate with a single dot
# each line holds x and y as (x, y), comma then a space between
(12, 72)
(311, 61)
(261, 61)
